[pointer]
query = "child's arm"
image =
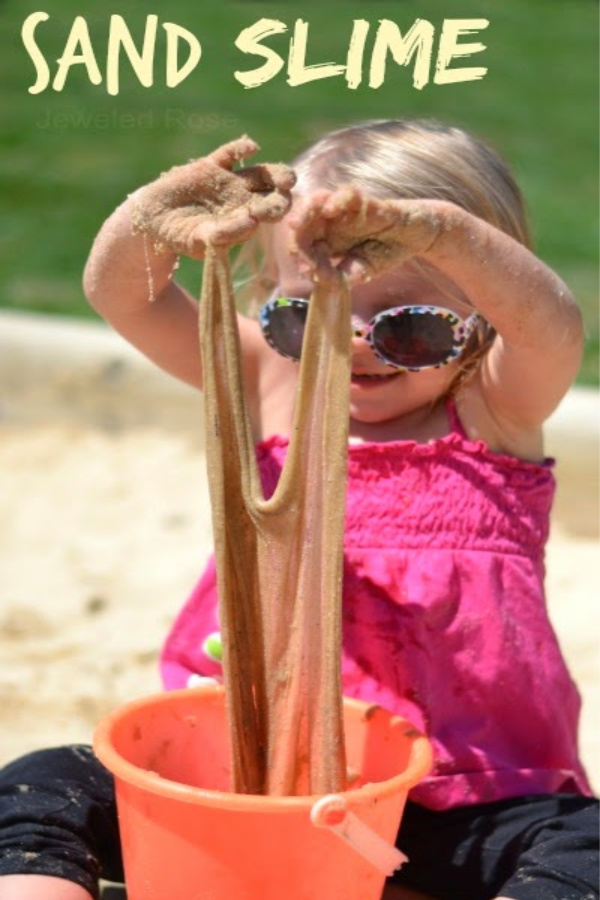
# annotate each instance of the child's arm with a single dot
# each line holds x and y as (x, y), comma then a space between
(130, 284)
(537, 352)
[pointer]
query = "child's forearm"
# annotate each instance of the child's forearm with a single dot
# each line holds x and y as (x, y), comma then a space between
(124, 272)
(522, 298)
(130, 285)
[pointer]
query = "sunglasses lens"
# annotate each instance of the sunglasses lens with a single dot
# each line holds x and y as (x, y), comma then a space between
(414, 340)
(286, 327)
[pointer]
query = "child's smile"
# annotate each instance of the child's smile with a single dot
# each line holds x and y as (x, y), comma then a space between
(367, 379)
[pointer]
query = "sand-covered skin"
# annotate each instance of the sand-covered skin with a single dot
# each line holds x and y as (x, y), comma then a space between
(206, 202)
(371, 235)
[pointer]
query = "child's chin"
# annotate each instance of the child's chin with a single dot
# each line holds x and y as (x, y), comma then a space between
(371, 414)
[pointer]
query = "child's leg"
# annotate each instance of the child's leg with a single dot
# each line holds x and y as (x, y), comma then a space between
(522, 849)
(558, 855)
(58, 820)
(36, 887)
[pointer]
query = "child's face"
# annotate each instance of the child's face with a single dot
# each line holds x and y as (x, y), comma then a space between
(379, 392)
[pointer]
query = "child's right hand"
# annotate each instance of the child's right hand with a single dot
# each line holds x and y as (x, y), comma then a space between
(206, 202)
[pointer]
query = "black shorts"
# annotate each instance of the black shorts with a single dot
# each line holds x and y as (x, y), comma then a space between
(540, 847)
(58, 817)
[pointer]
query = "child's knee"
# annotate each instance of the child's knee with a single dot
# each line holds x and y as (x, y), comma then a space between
(33, 887)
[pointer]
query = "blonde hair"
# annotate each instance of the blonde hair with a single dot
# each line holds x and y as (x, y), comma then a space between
(409, 159)
(401, 159)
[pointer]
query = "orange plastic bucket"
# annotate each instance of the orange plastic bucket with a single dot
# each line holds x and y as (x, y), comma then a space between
(186, 837)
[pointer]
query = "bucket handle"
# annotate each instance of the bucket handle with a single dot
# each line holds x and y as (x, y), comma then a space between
(332, 812)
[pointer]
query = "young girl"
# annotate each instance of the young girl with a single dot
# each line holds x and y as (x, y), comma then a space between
(463, 344)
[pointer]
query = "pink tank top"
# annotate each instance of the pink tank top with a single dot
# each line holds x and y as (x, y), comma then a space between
(445, 619)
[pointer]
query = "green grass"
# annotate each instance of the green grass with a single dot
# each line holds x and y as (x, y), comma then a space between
(63, 167)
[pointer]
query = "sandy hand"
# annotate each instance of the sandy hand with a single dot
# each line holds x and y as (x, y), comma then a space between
(206, 202)
(362, 235)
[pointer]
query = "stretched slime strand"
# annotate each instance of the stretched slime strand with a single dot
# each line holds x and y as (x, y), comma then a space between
(279, 561)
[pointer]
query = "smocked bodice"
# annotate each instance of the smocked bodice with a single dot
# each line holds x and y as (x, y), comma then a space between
(451, 493)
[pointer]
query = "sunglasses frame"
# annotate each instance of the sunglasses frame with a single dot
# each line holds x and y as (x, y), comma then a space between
(462, 329)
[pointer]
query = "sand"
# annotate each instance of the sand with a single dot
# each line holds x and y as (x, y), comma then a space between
(105, 527)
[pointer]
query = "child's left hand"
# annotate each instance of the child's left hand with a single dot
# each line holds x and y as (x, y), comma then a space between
(362, 235)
